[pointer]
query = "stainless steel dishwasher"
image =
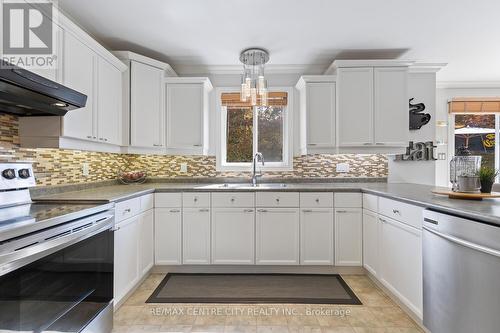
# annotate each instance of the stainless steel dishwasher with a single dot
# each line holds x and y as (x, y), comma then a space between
(461, 267)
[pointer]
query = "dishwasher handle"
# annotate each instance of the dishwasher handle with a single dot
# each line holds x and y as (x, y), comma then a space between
(464, 243)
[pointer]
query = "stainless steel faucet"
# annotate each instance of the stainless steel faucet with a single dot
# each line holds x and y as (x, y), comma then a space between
(258, 156)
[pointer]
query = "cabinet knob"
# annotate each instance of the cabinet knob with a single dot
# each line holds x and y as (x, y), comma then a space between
(277, 199)
(232, 199)
(89, 136)
(195, 199)
(317, 200)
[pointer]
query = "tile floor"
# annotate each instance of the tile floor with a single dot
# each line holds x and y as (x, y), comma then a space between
(378, 314)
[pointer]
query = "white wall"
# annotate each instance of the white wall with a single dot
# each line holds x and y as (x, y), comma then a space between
(444, 94)
(422, 87)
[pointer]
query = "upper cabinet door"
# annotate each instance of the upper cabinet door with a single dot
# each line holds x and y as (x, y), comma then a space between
(391, 106)
(78, 74)
(109, 103)
(146, 106)
(320, 110)
(185, 103)
(355, 106)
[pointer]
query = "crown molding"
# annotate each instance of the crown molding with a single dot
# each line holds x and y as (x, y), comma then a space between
(367, 63)
(184, 69)
(128, 55)
(191, 79)
(426, 67)
(467, 84)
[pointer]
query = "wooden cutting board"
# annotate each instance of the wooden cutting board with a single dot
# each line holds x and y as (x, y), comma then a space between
(467, 196)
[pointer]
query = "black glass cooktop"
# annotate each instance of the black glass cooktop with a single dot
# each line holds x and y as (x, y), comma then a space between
(37, 216)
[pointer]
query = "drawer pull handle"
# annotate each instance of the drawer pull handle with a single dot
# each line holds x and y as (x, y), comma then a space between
(307, 210)
(248, 210)
(382, 220)
(204, 210)
(126, 211)
(341, 211)
(262, 210)
(395, 211)
(175, 210)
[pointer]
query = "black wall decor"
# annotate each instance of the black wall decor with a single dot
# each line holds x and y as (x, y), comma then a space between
(417, 117)
(419, 151)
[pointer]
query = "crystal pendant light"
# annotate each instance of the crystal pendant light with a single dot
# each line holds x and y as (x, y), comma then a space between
(253, 81)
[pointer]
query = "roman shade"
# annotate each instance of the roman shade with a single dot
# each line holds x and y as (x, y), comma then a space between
(474, 105)
(274, 98)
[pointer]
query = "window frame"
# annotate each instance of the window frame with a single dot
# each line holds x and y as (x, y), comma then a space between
(222, 165)
(451, 139)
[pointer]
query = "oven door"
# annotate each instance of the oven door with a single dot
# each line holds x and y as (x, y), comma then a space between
(63, 291)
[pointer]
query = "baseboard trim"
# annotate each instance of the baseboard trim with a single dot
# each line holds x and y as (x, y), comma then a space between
(257, 269)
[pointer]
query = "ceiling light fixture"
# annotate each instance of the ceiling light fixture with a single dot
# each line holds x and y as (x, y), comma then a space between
(253, 82)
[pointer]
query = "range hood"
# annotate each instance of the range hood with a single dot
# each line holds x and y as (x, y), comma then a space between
(25, 93)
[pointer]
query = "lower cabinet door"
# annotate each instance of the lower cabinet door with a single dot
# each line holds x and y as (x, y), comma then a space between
(126, 266)
(316, 236)
(371, 241)
(401, 262)
(233, 236)
(146, 243)
(196, 236)
(277, 236)
(168, 236)
(348, 237)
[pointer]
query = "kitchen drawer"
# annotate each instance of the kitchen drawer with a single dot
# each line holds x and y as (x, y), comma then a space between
(348, 200)
(233, 200)
(316, 199)
(402, 212)
(370, 202)
(167, 200)
(277, 199)
(147, 202)
(127, 208)
(195, 199)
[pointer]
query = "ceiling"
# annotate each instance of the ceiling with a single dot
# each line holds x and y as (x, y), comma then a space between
(193, 35)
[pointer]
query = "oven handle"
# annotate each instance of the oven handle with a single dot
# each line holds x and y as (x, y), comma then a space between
(465, 243)
(15, 259)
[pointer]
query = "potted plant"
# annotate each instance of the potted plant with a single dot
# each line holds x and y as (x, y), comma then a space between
(487, 177)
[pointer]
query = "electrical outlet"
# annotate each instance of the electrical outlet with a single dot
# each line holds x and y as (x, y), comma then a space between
(343, 167)
(184, 167)
(85, 169)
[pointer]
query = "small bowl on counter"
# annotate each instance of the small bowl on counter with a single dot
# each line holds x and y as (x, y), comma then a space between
(132, 177)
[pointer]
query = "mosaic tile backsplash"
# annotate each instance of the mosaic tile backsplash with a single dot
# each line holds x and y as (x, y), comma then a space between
(61, 166)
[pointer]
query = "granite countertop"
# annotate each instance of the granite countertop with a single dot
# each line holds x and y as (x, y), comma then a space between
(487, 210)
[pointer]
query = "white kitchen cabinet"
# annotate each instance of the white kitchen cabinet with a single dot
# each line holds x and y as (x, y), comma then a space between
(187, 115)
(277, 236)
(79, 67)
(371, 241)
(233, 236)
(401, 262)
(168, 235)
(87, 67)
(316, 236)
(109, 103)
(126, 262)
(147, 115)
(196, 236)
(317, 113)
(372, 106)
(348, 237)
(146, 242)
(355, 106)
(391, 117)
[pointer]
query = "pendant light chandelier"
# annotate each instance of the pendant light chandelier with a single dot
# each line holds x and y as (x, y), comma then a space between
(253, 82)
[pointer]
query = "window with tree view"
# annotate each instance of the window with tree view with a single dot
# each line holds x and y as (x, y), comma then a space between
(249, 129)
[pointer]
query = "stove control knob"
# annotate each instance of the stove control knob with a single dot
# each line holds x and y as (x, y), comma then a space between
(9, 174)
(24, 173)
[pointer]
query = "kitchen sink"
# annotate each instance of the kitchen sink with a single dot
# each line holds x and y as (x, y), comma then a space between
(245, 186)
